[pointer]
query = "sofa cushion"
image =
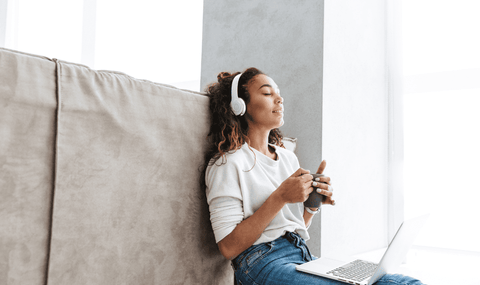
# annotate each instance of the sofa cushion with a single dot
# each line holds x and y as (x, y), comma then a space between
(27, 135)
(128, 208)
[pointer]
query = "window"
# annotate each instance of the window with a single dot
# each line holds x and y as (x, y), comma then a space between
(51, 28)
(159, 41)
(441, 63)
(155, 40)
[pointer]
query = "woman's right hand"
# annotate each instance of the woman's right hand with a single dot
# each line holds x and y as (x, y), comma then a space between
(294, 189)
(297, 187)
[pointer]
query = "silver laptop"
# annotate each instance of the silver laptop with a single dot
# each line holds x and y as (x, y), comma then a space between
(363, 272)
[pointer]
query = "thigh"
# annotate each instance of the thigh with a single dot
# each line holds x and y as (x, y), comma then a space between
(287, 274)
(274, 263)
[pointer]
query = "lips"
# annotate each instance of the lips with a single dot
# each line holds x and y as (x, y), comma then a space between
(278, 111)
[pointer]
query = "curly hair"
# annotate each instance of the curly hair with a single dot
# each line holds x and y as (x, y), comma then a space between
(228, 132)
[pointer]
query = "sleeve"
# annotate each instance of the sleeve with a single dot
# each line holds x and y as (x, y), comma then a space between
(224, 198)
(225, 214)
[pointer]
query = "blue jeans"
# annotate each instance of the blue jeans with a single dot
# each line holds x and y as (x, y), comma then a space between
(274, 263)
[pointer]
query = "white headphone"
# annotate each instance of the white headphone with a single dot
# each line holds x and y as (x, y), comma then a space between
(237, 104)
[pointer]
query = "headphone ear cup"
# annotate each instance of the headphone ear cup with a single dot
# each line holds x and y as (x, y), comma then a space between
(238, 107)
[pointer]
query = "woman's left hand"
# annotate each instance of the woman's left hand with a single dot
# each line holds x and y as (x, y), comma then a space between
(326, 191)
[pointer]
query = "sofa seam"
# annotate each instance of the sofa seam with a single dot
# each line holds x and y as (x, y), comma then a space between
(55, 163)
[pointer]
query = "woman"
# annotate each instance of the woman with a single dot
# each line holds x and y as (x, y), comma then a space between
(255, 188)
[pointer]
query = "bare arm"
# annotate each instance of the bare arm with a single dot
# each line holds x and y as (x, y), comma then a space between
(294, 189)
(250, 229)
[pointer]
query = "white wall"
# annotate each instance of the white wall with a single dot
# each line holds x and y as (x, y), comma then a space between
(355, 125)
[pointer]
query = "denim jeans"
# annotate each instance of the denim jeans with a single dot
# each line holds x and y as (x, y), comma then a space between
(274, 263)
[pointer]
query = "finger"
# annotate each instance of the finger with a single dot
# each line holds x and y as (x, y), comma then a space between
(329, 201)
(325, 192)
(300, 172)
(307, 178)
(323, 179)
(322, 166)
(322, 186)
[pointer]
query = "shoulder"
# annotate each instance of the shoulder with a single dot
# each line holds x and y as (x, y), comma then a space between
(282, 150)
(232, 162)
(286, 154)
(223, 177)
(232, 158)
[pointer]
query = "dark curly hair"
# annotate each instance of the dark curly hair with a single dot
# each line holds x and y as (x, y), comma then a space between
(228, 132)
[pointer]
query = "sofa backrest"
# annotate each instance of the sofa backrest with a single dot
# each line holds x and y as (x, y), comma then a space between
(101, 178)
(27, 133)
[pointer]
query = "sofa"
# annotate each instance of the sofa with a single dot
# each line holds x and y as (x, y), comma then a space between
(99, 178)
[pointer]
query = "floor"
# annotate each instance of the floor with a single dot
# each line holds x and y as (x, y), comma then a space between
(435, 266)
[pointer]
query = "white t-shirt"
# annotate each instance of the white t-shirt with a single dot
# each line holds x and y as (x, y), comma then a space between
(235, 191)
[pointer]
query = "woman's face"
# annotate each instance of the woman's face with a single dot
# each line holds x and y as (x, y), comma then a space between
(265, 109)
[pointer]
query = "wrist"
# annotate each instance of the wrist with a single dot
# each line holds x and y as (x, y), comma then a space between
(277, 197)
(312, 211)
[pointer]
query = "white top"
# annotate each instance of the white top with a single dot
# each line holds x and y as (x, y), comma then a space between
(234, 192)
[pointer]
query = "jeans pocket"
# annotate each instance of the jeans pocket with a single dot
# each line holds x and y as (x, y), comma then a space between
(258, 254)
(252, 265)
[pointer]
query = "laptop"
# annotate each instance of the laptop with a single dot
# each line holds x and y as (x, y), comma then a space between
(363, 272)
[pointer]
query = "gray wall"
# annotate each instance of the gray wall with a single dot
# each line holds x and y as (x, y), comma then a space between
(284, 39)
(329, 59)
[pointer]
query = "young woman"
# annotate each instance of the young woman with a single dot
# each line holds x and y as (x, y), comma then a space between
(255, 187)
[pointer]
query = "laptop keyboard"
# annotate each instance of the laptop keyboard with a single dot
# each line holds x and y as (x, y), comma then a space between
(357, 270)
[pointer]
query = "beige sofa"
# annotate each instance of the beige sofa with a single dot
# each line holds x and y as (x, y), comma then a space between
(99, 178)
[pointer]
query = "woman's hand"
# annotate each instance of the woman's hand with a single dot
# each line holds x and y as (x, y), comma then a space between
(325, 188)
(294, 189)
(297, 187)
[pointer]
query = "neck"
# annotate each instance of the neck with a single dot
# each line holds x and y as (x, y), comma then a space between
(259, 141)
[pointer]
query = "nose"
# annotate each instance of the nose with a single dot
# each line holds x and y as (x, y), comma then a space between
(279, 99)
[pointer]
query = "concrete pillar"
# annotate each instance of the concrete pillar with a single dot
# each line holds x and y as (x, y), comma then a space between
(284, 39)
